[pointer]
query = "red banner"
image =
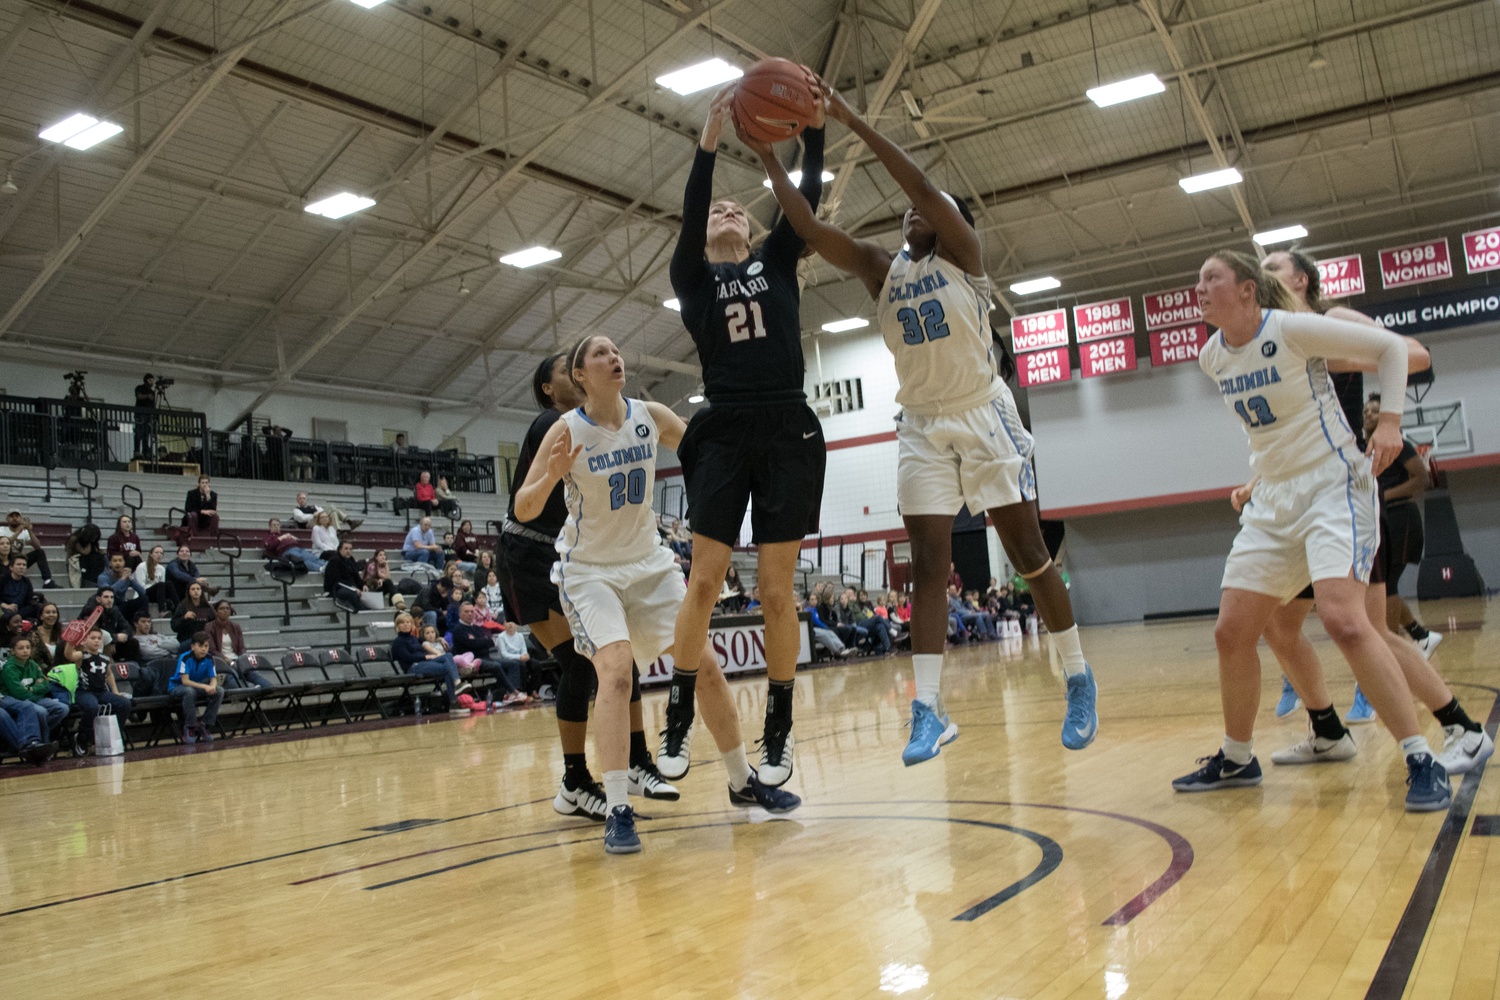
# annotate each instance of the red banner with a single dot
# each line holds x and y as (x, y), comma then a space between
(1177, 307)
(1040, 331)
(1415, 264)
(1098, 320)
(1341, 277)
(1482, 250)
(1173, 347)
(1043, 367)
(1106, 357)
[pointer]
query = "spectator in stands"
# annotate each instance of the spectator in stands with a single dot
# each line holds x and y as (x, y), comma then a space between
(325, 540)
(145, 643)
(473, 638)
(151, 577)
(344, 577)
(754, 603)
(96, 687)
(12, 625)
(202, 507)
(493, 594)
(484, 561)
(21, 731)
(276, 439)
(434, 599)
(735, 601)
(85, 560)
(401, 444)
(461, 588)
(47, 635)
(23, 542)
(483, 613)
(283, 545)
(407, 651)
(466, 548)
(954, 580)
(23, 680)
(130, 596)
(866, 624)
(115, 625)
(16, 592)
(195, 679)
(421, 545)
(823, 635)
(125, 542)
(192, 614)
(443, 496)
(424, 494)
(377, 577)
(985, 620)
(225, 637)
(182, 571)
(510, 645)
(145, 399)
(305, 510)
(967, 621)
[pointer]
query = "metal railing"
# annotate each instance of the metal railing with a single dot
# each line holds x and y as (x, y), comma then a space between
(62, 433)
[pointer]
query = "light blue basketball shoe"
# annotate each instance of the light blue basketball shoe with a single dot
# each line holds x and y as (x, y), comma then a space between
(1081, 724)
(929, 732)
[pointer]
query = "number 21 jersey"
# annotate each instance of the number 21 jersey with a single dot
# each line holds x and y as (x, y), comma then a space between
(935, 320)
(609, 489)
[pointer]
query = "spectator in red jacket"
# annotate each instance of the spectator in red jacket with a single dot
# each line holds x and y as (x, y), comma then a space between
(284, 545)
(425, 493)
(125, 542)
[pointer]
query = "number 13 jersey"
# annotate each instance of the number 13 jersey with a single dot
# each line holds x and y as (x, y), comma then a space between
(610, 488)
(935, 320)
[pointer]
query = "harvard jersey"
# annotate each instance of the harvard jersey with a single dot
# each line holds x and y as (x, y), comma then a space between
(550, 521)
(935, 321)
(610, 488)
(1284, 401)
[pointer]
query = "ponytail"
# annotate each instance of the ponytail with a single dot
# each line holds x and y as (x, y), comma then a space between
(1270, 293)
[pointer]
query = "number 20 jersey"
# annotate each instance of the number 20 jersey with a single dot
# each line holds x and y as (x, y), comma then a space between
(935, 321)
(609, 489)
(1283, 399)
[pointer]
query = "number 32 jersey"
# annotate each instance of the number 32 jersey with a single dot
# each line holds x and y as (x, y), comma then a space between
(609, 489)
(1283, 398)
(935, 320)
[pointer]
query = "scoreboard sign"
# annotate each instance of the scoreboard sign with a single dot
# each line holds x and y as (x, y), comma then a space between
(1099, 320)
(1106, 357)
(1415, 264)
(1341, 277)
(1173, 347)
(1178, 307)
(1040, 331)
(1044, 367)
(1482, 250)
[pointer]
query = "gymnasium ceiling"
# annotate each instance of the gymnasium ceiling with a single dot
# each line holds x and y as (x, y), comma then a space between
(482, 127)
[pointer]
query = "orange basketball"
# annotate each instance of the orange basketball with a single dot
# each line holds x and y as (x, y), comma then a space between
(774, 100)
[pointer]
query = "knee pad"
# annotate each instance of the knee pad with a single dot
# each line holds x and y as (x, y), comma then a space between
(635, 683)
(575, 684)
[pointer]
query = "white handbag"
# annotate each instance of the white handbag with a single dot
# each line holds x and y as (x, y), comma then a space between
(107, 739)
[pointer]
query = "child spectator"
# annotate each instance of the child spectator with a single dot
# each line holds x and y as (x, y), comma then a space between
(22, 680)
(195, 679)
(96, 687)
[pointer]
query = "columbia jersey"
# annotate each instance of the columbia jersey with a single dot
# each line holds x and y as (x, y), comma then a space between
(609, 490)
(1285, 401)
(935, 320)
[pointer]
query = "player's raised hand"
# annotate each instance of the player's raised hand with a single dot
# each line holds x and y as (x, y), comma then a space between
(719, 112)
(560, 459)
(759, 147)
(838, 108)
(820, 100)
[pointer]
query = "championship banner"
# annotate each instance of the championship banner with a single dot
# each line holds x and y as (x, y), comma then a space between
(1098, 320)
(1415, 264)
(1173, 347)
(1040, 331)
(1106, 357)
(1044, 367)
(739, 643)
(1177, 307)
(1482, 250)
(1341, 277)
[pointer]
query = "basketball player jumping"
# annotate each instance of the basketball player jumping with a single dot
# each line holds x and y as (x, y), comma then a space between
(961, 440)
(619, 585)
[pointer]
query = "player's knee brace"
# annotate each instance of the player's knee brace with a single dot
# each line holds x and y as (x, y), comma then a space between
(575, 685)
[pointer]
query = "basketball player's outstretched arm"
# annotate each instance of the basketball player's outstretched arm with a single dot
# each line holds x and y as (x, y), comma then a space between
(668, 424)
(785, 243)
(1417, 357)
(543, 477)
(955, 236)
(689, 270)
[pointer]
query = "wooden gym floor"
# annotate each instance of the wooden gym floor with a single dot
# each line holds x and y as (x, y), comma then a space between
(424, 860)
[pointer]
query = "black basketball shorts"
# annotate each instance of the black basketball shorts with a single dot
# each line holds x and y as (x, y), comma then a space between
(769, 457)
(525, 571)
(1401, 543)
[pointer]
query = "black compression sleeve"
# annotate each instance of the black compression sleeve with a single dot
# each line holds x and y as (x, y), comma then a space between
(688, 269)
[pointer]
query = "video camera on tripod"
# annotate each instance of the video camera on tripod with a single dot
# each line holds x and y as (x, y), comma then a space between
(77, 392)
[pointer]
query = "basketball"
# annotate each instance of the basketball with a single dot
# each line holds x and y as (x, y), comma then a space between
(774, 100)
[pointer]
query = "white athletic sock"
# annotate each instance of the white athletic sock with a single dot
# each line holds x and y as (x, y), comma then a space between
(1069, 651)
(616, 789)
(1238, 753)
(927, 668)
(737, 767)
(1415, 744)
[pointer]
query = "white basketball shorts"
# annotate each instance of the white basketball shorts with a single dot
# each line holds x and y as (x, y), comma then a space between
(635, 602)
(981, 457)
(1321, 525)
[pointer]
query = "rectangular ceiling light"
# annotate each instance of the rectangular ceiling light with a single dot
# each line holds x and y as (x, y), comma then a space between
(80, 131)
(1035, 285)
(1126, 90)
(1209, 181)
(339, 205)
(367, 4)
(1281, 235)
(530, 257)
(845, 325)
(700, 77)
(673, 305)
(796, 178)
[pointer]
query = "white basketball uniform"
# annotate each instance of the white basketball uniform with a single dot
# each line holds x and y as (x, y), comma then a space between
(959, 435)
(617, 581)
(1313, 515)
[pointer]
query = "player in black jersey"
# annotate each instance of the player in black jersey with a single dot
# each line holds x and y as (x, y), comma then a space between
(757, 442)
(1401, 487)
(526, 554)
